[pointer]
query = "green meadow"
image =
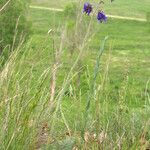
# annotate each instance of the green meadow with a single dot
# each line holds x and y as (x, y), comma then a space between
(131, 8)
(77, 83)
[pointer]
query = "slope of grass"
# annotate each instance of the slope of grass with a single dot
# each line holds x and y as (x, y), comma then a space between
(131, 8)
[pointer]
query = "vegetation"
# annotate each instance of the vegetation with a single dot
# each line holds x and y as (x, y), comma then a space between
(134, 8)
(14, 25)
(77, 84)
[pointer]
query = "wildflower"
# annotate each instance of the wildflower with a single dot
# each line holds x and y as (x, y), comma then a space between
(101, 16)
(87, 8)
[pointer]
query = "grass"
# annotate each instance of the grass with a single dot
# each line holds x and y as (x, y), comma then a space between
(128, 44)
(117, 116)
(137, 8)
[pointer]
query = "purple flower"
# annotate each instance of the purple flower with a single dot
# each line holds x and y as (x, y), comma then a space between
(101, 16)
(87, 8)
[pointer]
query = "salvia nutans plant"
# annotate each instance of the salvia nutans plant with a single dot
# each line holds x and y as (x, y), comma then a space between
(88, 8)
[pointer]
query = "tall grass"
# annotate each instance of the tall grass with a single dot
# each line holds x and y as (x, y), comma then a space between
(53, 112)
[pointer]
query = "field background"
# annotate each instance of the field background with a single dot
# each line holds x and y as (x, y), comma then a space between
(132, 8)
(129, 39)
